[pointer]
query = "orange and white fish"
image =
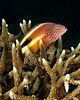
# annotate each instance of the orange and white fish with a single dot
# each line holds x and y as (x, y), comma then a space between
(49, 32)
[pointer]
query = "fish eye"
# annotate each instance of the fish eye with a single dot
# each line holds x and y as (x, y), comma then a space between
(57, 26)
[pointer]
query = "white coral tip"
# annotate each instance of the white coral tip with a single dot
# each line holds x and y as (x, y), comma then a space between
(20, 25)
(74, 55)
(72, 49)
(67, 77)
(66, 86)
(14, 69)
(24, 21)
(8, 33)
(11, 94)
(25, 80)
(13, 45)
(66, 82)
(43, 60)
(3, 20)
(63, 52)
(17, 42)
(29, 22)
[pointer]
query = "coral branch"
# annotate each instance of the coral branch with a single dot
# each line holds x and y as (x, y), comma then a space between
(45, 74)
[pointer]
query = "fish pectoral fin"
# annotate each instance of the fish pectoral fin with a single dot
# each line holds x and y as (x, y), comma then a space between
(34, 47)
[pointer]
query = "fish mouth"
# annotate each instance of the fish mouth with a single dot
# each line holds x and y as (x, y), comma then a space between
(65, 29)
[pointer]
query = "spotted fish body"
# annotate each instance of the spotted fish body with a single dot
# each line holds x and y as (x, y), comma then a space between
(48, 32)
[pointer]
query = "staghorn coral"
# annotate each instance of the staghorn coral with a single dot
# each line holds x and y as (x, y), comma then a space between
(46, 74)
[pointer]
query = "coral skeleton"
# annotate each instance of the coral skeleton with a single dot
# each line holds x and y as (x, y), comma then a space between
(51, 73)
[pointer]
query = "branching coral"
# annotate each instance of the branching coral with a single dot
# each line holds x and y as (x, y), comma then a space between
(48, 74)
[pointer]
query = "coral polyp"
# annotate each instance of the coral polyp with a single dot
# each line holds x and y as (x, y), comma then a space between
(49, 73)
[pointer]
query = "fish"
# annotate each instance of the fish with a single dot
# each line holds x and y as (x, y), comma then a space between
(48, 32)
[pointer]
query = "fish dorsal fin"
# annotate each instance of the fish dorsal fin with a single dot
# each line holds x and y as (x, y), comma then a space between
(31, 32)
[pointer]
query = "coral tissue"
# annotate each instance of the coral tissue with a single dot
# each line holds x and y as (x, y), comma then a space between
(48, 73)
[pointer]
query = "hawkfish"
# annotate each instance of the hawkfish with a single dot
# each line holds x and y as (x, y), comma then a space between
(48, 32)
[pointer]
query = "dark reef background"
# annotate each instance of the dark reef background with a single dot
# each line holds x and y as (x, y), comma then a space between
(66, 12)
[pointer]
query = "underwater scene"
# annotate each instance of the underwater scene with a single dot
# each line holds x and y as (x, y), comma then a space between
(34, 65)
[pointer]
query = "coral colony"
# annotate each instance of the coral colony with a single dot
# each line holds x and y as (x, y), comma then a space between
(34, 66)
